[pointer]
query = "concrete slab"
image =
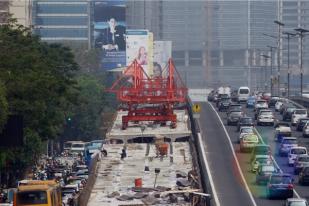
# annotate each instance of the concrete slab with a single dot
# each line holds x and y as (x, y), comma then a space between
(116, 177)
(150, 129)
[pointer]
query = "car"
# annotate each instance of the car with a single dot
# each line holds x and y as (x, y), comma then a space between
(266, 117)
(244, 121)
(285, 105)
(296, 202)
(243, 94)
(297, 114)
(300, 162)
(266, 96)
(301, 123)
(258, 160)
(303, 177)
(211, 96)
(287, 114)
(306, 130)
(233, 117)
(286, 144)
(260, 149)
(294, 152)
(234, 107)
(263, 173)
(221, 96)
(245, 130)
(248, 142)
(224, 104)
(278, 105)
(251, 102)
(273, 100)
(78, 147)
(257, 112)
(261, 104)
(280, 185)
(282, 130)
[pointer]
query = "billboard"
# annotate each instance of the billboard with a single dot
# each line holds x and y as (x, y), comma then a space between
(162, 52)
(137, 42)
(109, 32)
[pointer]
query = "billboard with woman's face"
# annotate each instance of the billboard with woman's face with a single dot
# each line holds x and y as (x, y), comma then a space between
(137, 47)
(109, 32)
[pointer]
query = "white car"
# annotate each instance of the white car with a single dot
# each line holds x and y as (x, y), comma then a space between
(297, 114)
(261, 104)
(278, 105)
(294, 152)
(266, 117)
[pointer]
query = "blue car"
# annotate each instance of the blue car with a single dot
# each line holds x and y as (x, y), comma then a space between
(250, 102)
(280, 186)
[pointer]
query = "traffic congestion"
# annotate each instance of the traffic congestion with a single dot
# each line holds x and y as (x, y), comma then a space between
(270, 134)
(59, 179)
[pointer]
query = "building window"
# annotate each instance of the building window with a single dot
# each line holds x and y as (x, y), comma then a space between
(61, 8)
(57, 20)
(44, 32)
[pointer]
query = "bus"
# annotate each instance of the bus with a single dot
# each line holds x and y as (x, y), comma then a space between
(38, 193)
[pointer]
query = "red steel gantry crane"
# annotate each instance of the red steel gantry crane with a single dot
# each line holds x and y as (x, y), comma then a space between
(149, 99)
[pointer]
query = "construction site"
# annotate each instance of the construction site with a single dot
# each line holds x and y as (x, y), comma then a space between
(150, 154)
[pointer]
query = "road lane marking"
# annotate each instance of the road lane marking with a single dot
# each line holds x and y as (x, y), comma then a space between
(274, 159)
(212, 185)
(234, 155)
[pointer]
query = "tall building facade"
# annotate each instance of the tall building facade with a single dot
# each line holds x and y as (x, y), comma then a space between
(4, 11)
(62, 20)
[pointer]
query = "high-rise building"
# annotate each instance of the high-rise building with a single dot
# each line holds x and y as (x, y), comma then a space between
(62, 20)
(4, 11)
(21, 11)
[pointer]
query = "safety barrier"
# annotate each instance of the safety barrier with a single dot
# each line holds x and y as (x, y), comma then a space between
(84, 196)
(203, 171)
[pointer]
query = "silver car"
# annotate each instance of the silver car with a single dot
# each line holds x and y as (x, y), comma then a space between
(296, 202)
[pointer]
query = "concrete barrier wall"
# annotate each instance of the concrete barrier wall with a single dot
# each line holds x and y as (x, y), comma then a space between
(203, 171)
(84, 196)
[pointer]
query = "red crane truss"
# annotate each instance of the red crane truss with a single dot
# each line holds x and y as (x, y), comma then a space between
(149, 99)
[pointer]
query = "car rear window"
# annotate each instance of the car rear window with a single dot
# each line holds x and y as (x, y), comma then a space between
(289, 141)
(243, 91)
(266, 113)
(251, 138)
(246, 120)
(303, 159)
(290, 109)
(300, 111)
(269, 168)
(261, 149)
(236, 113)
(298, 151)
(247, 130)
(32, 197)
(280, 179)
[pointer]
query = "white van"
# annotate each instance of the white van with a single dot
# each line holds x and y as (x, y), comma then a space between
(243, 94)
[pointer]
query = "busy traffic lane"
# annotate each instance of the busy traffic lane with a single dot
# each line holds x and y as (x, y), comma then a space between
(258, 191)
(229, 186)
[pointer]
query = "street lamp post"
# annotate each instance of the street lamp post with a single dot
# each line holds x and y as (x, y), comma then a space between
(280, 24)
(271, 67)
(301, 32)
(289, 37)
(265, 78)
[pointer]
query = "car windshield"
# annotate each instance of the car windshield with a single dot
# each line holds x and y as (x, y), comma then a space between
(298, 151)
(268, 168)
(290, 109)
(246, 120)
(261, 149)
(280, 180)
(303, 159)
(32, 197)
(289, 141)
(300, 111)
(297, 203)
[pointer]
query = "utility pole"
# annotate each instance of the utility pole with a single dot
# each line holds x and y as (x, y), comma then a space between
(271, 68)
(289, 37)
(301, 32)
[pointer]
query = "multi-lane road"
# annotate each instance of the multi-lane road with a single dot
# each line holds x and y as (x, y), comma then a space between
(234, 184)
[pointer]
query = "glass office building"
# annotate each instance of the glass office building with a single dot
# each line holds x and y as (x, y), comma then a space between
(66, 20)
